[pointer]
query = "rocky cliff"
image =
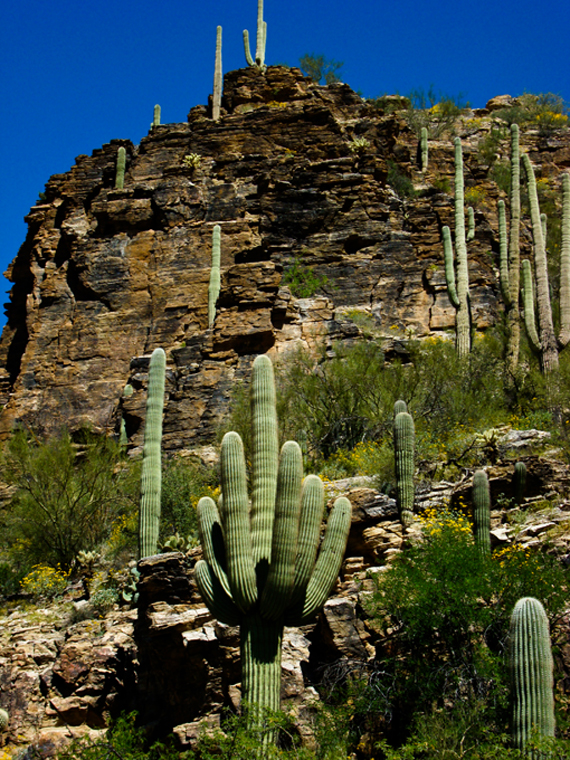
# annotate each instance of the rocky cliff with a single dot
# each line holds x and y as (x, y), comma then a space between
(106, 275)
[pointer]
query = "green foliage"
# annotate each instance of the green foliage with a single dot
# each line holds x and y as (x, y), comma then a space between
(546, 111)
(447, 609)
(400, 182)
(302, 280)
(436, 112)
(67, 496)
(320, 68)
(184, 481)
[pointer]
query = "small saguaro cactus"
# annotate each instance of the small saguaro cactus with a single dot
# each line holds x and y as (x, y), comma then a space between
(261, 570)
(519, 482)
(156, 116)
(4, 720)
(217, 94)
(470, 223)
(531, 669)
(259, 61)
(541, 335)
(424, 148)
(404, 444)
(214, 286)
(120, 172)
(458, 295)
(151, 478)
(482, 511)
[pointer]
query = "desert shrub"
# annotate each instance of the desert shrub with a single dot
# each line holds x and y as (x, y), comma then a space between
(320, 69)
(435, 111)
(184, 482)
(446, 611)
(45, 582)
(545, 110)
(399, 182)
(302, 280)
(66, 496)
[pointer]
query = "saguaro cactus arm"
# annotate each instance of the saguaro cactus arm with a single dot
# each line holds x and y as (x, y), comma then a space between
(151, 477)
(531, 669)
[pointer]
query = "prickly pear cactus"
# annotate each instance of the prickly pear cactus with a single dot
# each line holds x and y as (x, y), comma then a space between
(263, 568)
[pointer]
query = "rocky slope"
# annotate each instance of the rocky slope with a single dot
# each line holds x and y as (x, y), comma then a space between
(106, 275)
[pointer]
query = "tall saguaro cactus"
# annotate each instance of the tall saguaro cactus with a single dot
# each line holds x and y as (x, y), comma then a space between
(531, 669)
(259, 61)
(482, 511)
(214, 286)
(261, 568)
(120, 171)
(217, 95)
(458, 287)
(404, 444)
(151, 478)
(541, 334)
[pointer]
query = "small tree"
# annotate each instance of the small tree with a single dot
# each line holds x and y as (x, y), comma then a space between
(320, 68)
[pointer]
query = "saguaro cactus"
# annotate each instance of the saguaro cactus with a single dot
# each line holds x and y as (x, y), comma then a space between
(261, 569)
(120, 172)
(482, 511)
(541, 335)
(458, 294)
(151, 479)
(214, 286)
(156, 116)
(217, 95)
(424, 148)
(404, 444)
(260, 42)
(519, 482)
(531, 669)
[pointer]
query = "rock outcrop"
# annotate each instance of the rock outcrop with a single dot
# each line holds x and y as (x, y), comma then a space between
(106, 275)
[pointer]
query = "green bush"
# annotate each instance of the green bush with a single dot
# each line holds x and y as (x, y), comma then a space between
(446, 611)
(67, 495)
(302, 280)
(399, 182)
(320, 68)
(435, 111)
(184, 482)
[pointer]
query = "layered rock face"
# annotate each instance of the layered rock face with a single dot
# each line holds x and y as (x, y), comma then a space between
(107, 275)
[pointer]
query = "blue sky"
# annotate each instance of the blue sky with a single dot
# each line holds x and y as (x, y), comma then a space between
(75, 75)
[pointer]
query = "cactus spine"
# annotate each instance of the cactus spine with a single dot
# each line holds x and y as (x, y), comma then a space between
(531, 669)
(156, 116)
(541, 335)
(404, 444)
(217, 95)
(259, 61)
(458, 293)
(482, 511)
(261, 569)
(519, 482)
(424, 148)
(149, 516)
(214, 286)
(120, 173)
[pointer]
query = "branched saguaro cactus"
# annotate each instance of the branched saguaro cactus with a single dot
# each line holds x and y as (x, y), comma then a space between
(214, 286)
(261, 570)
(458, 294)
(217, 95)
(482, 511)
(531, 669)
(259, 61)
(404, 444)
(151, 478)
(509, 257)
(541, 335)
(120, 172)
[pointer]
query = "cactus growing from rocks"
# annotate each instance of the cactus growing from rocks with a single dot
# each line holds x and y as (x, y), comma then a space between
(458, 293)
(482, 511)
(156, 116)
(424, 148)
(404, 444)
(149, 515)
(4, 720)
(120, 172)
(214, 286)
(541, 335)
(259, 61)
(519, 482)
(531, 669)
(261, 569)
(217, 94)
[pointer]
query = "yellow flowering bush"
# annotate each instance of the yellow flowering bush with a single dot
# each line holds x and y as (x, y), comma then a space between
(44, 581)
